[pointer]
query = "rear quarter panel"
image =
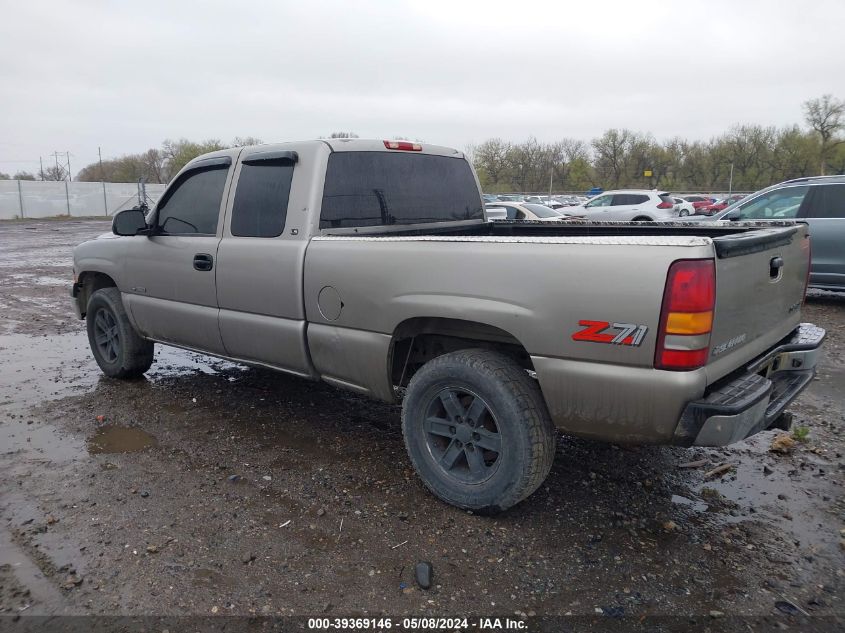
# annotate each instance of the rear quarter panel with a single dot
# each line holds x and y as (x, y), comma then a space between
(538, 291)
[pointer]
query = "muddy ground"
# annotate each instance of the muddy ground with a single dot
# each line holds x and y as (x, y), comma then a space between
(211, 488)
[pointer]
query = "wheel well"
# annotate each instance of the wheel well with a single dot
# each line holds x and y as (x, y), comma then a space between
(416, 341)
(641, 218)
(89, 283)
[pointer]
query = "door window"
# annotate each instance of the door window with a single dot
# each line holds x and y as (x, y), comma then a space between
(192, 206)
(780, 204)
(261, 199)
(601, 201)
(828, 202)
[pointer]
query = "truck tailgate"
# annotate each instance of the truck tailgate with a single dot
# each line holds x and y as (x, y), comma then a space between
(760, 280)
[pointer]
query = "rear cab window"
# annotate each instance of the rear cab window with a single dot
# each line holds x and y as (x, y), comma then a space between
(392, 188)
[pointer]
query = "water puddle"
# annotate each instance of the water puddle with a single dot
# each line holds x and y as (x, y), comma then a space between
(120, 439)
(695, 506)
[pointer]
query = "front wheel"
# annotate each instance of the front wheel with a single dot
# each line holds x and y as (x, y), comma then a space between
(477, 430)
(118, 349)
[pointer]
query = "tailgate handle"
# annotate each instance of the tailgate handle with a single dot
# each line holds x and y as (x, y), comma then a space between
(775, 264)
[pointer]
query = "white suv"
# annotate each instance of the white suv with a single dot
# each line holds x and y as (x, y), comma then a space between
(630, 204)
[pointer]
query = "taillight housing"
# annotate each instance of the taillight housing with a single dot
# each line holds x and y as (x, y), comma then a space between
(406, 146)
(665, 205)
(686, 316)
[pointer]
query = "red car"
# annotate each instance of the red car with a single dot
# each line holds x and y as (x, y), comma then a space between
(719, 205)
(699, 202)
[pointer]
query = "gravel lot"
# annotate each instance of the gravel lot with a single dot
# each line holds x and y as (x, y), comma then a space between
(211, 488)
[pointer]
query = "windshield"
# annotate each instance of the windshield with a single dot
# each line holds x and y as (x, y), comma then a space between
(542, 211)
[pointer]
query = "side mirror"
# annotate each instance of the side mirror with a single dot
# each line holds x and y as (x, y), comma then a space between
(129, 222)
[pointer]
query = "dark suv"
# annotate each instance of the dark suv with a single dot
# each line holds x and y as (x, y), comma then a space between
(818, 201)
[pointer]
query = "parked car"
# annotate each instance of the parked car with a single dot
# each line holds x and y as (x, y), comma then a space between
(820, 202)
(371, 265)
(721, 205)
(684, 207)
(528, 211)
(699, 202)
(639, 205)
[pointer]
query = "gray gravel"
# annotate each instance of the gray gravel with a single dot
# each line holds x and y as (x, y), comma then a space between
(211, 488)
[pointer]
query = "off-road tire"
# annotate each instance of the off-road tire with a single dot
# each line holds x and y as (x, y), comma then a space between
(130, 355)
(513, 400)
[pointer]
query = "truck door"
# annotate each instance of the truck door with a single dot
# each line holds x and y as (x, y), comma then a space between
(261, 258)
(171, 291)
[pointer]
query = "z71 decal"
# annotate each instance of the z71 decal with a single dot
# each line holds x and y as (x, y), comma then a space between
(619, 334)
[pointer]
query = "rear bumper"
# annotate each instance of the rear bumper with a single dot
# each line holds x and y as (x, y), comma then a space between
(752, 400)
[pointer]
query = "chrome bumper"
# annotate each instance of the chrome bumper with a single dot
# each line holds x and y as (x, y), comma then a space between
(751, 401)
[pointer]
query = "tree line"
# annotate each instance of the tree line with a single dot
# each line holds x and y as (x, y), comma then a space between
(745, 158)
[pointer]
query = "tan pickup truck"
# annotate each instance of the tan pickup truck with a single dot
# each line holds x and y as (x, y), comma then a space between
(371, 265)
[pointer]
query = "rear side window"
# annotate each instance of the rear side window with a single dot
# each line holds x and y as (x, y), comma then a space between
(382, 188)
(193, 205)
(624, 199)
(828, 202)
(261, 199)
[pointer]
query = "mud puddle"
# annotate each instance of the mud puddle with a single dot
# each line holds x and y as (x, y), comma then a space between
(120, 439)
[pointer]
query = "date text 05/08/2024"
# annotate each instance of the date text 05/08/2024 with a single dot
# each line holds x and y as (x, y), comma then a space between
(415, 624)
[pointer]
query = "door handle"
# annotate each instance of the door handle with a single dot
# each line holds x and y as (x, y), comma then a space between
(203, 261)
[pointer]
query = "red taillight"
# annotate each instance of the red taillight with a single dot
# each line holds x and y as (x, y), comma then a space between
(686, 317)
(665, 205)
(403, 145)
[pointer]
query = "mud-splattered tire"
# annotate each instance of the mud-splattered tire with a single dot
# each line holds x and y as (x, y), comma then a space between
(477, 430)
(118, 349)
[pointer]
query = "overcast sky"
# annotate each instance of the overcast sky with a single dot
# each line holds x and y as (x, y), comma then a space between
(127, 75)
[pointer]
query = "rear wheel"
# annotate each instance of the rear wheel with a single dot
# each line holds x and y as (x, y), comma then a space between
(477, 430)
(683, 213)
(118, 349)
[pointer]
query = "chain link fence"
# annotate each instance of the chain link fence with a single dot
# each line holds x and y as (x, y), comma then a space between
(42, 199)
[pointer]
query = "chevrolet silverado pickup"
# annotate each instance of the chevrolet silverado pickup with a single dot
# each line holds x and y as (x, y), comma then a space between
(371, 265)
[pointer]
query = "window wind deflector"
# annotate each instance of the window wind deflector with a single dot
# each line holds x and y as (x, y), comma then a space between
(217, 161)
(273, 155)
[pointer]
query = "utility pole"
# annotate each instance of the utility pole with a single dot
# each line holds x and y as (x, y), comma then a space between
(731, 182)
(58, 169)
(41, 162)
(69, 172)
(103, 182)
(551, 178)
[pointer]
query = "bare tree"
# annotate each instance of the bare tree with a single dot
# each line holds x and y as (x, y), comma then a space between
(343, 135)
(23, 175)
(55, 173)
(825, 115)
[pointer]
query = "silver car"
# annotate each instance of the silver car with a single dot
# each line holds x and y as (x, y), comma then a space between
(818, 201)
(638, 205)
